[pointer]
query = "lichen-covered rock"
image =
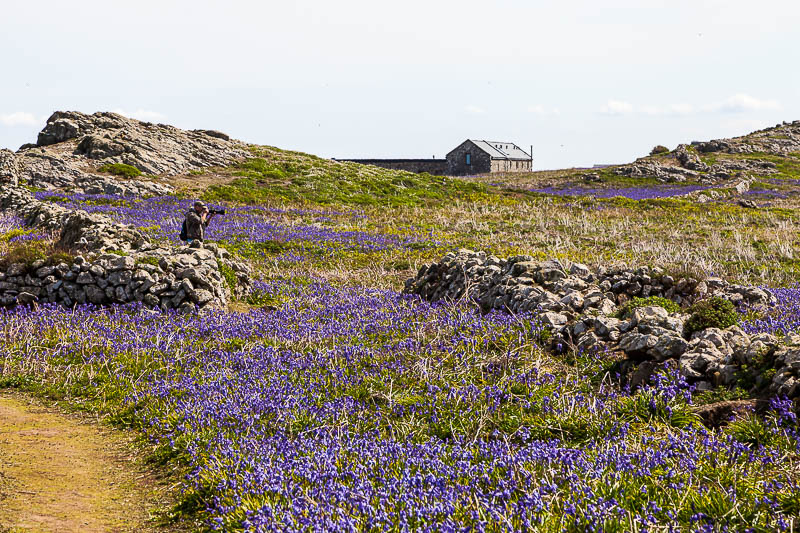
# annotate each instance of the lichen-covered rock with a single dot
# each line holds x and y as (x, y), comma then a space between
(152, 148)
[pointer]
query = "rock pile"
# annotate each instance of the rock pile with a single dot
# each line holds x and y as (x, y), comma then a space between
(581, 308)
(520, 284)
(156, 277)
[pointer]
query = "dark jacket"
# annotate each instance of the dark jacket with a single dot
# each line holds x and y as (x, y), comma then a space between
(195, 227)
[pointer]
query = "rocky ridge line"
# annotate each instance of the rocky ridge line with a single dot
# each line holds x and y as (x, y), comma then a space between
(72, 146)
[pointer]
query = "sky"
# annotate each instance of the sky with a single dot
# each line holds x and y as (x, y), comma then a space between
(583, 82)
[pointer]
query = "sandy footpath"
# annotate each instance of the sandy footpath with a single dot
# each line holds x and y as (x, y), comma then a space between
(60, 473)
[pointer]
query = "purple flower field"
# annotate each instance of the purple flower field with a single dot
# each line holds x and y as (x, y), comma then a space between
(633, 193)
(354, 409)
(351, 409)
(161, 217)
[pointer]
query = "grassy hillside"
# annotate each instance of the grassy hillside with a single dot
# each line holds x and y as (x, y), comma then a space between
(274, 174)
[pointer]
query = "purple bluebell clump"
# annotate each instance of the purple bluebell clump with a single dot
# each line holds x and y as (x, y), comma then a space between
(14, 230)
(781, 318)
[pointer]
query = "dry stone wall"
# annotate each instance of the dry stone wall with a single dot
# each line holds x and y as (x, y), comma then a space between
(580, 307)
(157, 277)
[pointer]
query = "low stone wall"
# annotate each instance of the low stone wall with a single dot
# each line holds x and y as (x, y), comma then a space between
(437, 167)
(166, 278)
(520, 284)
(579, 306)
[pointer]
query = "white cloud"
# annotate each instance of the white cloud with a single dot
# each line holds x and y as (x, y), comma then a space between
(542, 110)
(19, 118)
(474, 110)
(674, 109)
(617, 107)
(739, 103)
(141, 114)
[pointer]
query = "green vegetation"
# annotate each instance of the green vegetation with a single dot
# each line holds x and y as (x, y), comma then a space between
(659, 149)
(120, 169)
(300, 178)
(14, 233)
(715, 312)
(627, 310)
(228, 274)
(27, 253)
(149, 260)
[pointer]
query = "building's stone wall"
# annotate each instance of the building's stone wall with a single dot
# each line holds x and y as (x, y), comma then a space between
(431, 166)
(481, 162)
(504, 165)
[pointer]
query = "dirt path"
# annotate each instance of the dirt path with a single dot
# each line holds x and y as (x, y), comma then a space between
(59, 473)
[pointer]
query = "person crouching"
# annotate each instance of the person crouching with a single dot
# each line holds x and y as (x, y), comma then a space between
(196, 222)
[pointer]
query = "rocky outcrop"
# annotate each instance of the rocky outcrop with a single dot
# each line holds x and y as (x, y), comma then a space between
(184, 278)
(782, 139)
(63, 170)
(580, 306)
(73, 146)
(152, 148)
(8, 167)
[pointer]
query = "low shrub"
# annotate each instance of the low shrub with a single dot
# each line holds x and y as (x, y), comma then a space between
(120, 169)
(228, 275)
(27, 253)
(714, 312)
(149, 260)
(627, 310)
(659, 149)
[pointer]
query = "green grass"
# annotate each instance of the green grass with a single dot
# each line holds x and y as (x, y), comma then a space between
(27, 253)
(120, 169)
(293, 177)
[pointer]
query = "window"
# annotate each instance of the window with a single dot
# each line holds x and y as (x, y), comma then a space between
(469, 159)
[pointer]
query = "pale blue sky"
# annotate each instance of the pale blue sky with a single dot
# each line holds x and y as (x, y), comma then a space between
(583, 81)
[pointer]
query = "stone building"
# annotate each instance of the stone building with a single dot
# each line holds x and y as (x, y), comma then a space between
(487, 157)
(468, 158)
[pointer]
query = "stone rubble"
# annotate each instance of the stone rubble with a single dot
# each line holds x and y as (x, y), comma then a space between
(580, 306)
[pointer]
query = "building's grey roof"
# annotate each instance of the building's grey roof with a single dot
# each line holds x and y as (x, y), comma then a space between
(502, 149)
